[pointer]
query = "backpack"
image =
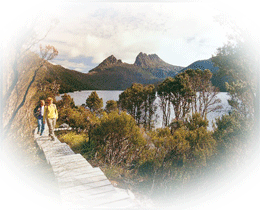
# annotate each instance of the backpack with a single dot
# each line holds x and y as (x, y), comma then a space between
(36, 112)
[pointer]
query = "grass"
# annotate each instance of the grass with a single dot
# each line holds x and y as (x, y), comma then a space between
(74, 140)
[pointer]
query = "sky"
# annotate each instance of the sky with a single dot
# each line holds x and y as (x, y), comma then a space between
(179, 33)
(87, 32)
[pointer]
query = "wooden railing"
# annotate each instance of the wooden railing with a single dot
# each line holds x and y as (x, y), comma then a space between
(81, 185)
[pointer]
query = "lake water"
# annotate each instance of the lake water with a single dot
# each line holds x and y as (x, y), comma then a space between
(81, 96)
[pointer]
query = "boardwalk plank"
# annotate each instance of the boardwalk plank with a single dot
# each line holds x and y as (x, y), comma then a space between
(91, 189)
(82, 182)
(71, 158)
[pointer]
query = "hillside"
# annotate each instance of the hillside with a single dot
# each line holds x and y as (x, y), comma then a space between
(113, 74)
(208, 64)
(69, 80)
(113, 78)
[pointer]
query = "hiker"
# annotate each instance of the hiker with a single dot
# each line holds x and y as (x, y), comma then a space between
(50, 115)
(38, 113)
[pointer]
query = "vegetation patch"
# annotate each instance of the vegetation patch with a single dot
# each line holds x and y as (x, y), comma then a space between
(75, 140)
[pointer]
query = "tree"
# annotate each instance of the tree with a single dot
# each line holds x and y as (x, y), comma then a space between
(205, 100)
(165, 100)
(175, 92)
(236, 61)
(66, 102)
(201, 143)
(111, 105)
(138, 101)
(181, 95)
(93, 102)
(189, 92)
(77, 117)
(19, 49)
(131, 100)
(149, 108)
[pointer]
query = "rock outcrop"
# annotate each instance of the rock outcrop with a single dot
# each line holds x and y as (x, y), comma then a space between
(108, 62)
(145, 61)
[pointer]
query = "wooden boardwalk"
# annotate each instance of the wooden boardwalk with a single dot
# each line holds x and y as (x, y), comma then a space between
(81, 186)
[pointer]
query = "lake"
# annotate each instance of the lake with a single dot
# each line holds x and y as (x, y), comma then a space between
(81, 96)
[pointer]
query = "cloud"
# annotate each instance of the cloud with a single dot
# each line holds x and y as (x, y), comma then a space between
(74, 64)
(124, 29)
(190, 39)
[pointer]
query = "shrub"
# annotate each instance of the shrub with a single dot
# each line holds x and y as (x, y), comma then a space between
(118, 139)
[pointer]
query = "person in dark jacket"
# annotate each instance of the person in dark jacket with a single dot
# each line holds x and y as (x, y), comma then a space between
(38, 113)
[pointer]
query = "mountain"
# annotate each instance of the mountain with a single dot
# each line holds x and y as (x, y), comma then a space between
(208, 64)
(156, 65)
(147, 68)
(108, 62)
(203, 64)
(113, 74)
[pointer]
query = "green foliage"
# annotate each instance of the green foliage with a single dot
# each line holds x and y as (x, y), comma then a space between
(196, 121)
(149, 108)
(118, 139)
(66, 102)
(76, 117)
(237, 63)
(131, 100)
(181, 93)
(138, 101)
(93, 102)
(165, 103)
(231, 132)
(180, 154)
(111, 105)
(189, 91)
(74, 140)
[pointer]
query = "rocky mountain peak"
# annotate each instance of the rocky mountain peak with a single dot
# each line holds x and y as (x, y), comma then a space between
(107, 63)
(143, 60)
(111, 60)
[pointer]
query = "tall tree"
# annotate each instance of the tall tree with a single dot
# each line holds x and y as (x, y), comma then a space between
(131, 100)
(66, 102)
(111, 105)
(93, 102)
(138, 101)
(205, 100)
(164, 95)
(149, 108)
(181, 95)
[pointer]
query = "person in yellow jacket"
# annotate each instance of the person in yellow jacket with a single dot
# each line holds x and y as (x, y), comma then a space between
(50, 115)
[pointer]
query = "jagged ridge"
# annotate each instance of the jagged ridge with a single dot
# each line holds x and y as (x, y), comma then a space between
(108, 62)
(151, 64)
